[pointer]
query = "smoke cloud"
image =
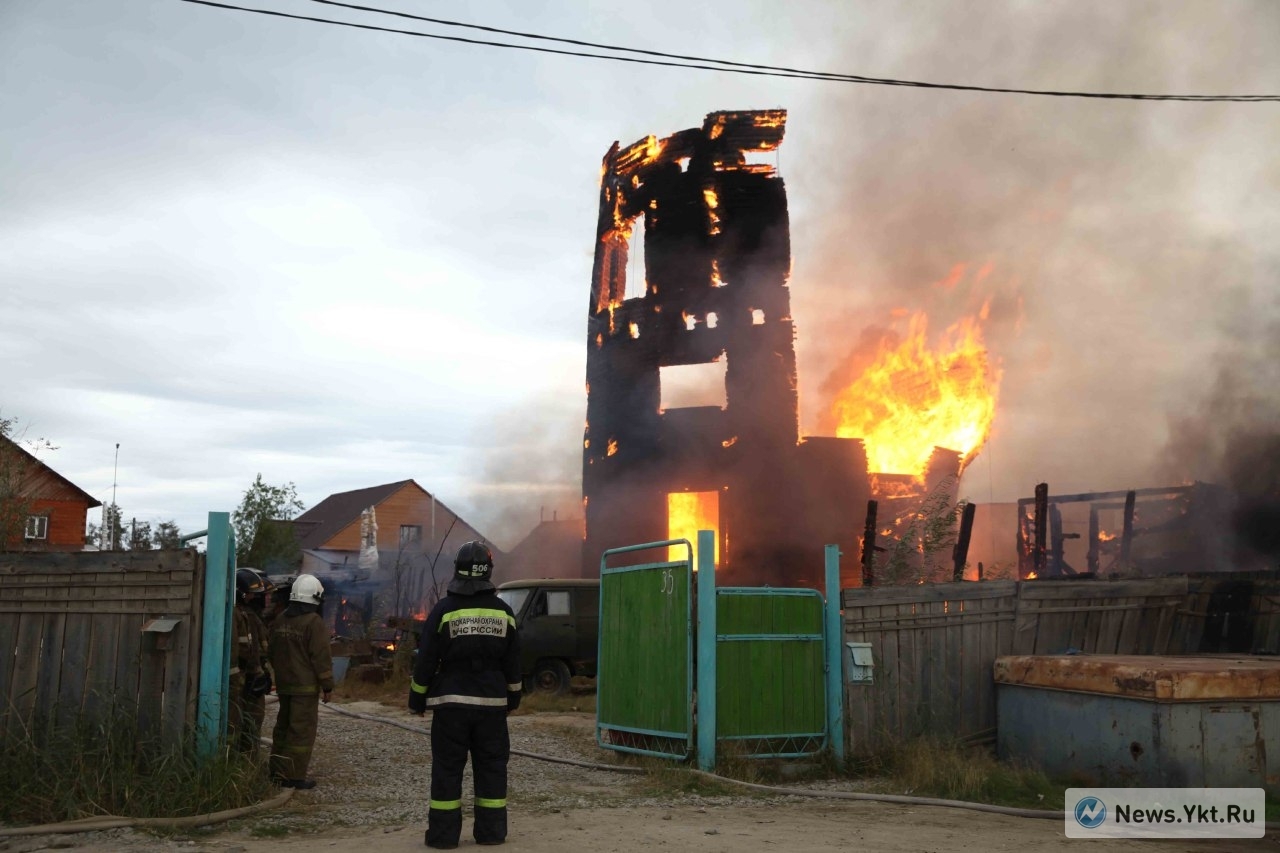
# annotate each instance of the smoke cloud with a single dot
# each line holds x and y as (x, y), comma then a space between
(1114, 238)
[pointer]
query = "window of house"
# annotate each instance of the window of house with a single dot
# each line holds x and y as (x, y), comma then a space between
(37, 527)
(410, 533)
(558, 603)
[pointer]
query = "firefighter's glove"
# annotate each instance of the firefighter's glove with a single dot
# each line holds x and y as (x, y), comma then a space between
(258, 685)
(513, 701)
(417, 702)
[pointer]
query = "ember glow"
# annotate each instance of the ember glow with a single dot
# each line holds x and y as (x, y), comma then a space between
(911, 398)
(689, 512)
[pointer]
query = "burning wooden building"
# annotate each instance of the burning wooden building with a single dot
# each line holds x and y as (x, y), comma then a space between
(707, 306)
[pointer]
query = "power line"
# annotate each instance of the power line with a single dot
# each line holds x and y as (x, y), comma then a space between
(694, 62)
(823, 75)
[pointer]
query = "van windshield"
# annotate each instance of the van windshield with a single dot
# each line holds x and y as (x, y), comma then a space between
(515, 598)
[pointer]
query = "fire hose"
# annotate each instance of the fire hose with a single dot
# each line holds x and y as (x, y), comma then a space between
(899, 799)
(100, 822)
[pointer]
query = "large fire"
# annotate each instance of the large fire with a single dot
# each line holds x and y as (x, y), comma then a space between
(911, 398)
(687, 513)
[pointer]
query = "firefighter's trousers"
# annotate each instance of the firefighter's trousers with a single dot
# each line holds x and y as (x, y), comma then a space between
(455, 733)
(294, 735)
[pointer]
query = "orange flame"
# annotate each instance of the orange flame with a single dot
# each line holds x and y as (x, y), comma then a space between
(912, 399)
(1032, 576)
(687, 513)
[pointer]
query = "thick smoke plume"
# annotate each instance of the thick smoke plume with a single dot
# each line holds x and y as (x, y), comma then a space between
(1108, 234)
(1230, 432)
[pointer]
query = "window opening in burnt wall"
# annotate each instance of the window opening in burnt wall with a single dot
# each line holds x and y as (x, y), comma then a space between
(690, 385)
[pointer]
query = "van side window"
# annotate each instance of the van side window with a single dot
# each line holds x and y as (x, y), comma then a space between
(539, 606)
(558, 603)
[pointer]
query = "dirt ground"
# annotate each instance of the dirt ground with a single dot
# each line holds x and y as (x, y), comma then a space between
(820, 826)
(673, 822)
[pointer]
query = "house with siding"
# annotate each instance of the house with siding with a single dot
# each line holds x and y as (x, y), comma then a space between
(41, 509)
(397, 536)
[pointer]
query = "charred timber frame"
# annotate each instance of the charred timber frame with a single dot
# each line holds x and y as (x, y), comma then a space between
(716, 261)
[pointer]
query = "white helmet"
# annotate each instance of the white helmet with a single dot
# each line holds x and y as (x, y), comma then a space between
(307, 589)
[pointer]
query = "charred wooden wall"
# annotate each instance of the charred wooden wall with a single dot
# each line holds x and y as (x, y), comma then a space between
(717, 256)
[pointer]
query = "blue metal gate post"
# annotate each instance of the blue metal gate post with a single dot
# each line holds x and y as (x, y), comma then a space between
(706, 719)
(215, 641)
(835, 660)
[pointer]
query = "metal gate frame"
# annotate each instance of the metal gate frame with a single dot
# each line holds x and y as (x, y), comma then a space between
(708, 640)
(778, 656)
(636, 729)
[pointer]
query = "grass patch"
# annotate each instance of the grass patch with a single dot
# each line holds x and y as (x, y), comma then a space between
(269, 830)
(100, 766)
(929, 767)
(533, 703)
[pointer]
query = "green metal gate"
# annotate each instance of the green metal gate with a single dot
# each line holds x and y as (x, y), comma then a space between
(644, 676)
(771, 690)
(769, 669)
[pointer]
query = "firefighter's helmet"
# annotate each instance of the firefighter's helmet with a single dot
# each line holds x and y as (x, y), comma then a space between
(472, 569)
(249, 586)
(307, 589)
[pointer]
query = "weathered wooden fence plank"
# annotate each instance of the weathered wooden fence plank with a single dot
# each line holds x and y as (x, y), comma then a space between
(71, 633)
(935, 646)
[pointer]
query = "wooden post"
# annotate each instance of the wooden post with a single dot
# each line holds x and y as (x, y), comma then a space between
(1042, 525)
(1126, 538)
(869, 546)
(961, 552)
(1055, 542)
(1093, 539)
(1024, 544)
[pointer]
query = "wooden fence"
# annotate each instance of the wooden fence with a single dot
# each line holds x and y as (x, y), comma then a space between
(935, 645)
(100, 633)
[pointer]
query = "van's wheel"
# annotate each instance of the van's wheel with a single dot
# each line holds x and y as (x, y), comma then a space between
(551, 676)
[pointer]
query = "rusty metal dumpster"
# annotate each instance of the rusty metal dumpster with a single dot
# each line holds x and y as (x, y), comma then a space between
(1144, 720)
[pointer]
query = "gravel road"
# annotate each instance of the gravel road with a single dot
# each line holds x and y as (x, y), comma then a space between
(373, 786)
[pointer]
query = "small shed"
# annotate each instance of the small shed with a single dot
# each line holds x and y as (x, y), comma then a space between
(1147, 720)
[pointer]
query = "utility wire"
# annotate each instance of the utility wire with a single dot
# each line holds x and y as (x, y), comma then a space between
(698, 63)
(823, 75)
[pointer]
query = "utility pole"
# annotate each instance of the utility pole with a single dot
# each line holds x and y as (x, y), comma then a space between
(115, 511)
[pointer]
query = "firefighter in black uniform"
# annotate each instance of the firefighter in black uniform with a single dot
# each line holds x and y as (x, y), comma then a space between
(468, 673)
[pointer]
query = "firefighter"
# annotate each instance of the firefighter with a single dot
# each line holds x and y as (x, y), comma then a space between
(303, 667)
(252, 589)
(468, 673)
(246, 666)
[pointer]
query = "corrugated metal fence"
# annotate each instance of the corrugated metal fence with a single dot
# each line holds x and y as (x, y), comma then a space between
(934, 646)
(93, 632)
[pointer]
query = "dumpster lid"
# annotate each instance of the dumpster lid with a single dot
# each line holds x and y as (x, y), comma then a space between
(1153, 677)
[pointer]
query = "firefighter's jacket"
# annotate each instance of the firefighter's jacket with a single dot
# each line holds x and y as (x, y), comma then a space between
(300, 656)
(248, 650)
(469, 655)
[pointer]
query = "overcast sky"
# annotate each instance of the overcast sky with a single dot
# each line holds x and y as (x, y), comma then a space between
(237, 244)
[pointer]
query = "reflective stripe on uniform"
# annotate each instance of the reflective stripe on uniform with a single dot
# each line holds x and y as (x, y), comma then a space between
(296, 689)
(514, 688)
(235, 670)
(445, 805)
(476, 613)
(485, 803)
(416, 687)
(466, 700)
